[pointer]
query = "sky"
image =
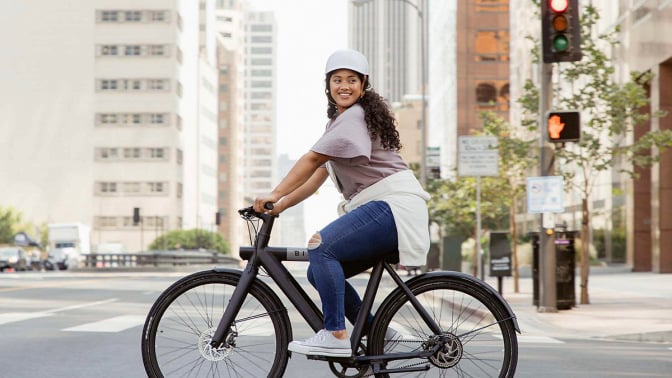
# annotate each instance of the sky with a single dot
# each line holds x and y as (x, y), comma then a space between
(308, 32)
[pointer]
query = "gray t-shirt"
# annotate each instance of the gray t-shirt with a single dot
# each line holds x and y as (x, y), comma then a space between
(356, 160)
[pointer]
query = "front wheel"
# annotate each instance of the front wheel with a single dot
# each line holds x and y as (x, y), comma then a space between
(177, 333)
(478, 333)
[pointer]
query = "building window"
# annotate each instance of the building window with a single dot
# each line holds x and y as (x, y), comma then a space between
(133, 85)
(132, 119)
(105, 153)
(132, 50)
(106, 188)
(486, 93)
(132, 153)
(156, 187)
(492, 5)
(492, 46)
(109, 50)
(131, 187)
(179, 156)
(108, 85)
(133, 16)
(157, 153)
(158, 15)
(106, 222)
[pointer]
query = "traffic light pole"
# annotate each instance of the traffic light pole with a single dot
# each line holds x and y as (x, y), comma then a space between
(547, 263)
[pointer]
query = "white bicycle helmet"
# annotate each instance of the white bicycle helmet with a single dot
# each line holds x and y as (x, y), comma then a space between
(348, 59)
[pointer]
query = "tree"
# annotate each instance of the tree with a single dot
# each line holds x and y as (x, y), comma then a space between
(453, 206)
(10, 223)
(515, 162)
(610, 112)
(191, 239)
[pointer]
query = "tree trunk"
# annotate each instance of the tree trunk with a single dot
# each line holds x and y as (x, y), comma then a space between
(585, 251)
(514, 245)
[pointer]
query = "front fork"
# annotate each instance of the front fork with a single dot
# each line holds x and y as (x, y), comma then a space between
(235, 303)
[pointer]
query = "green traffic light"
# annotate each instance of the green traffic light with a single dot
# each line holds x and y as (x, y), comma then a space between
(560, 43)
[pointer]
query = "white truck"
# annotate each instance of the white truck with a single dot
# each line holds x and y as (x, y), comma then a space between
(67, 242)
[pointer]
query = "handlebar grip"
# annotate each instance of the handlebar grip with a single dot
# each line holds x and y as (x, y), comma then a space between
(268, 206)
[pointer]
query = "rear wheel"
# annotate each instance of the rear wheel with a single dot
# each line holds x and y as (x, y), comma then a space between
(177, 333)
(479, 336)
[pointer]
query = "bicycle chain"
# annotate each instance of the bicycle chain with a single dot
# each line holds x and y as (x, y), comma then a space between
(402, 366)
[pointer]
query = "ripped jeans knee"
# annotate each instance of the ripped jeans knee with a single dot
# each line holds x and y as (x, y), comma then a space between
(315, 241)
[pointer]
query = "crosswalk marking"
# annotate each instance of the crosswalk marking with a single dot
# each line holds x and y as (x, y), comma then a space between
(538, 340)
(11, 317)
(110, 325)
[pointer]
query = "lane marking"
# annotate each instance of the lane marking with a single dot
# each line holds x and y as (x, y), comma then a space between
(110, 325)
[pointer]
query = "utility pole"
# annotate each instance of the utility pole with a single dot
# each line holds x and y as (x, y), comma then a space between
(547, 287)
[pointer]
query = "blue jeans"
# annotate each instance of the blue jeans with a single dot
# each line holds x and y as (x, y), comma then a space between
(350, 245)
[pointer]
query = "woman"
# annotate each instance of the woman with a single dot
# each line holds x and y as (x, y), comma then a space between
(385, 209)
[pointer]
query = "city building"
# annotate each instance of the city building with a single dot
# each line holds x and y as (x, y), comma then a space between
(112, 110)
(231, 65)
(387, 32)
(260, 168)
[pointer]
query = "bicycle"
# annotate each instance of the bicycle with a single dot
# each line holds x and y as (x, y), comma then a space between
(228, 322)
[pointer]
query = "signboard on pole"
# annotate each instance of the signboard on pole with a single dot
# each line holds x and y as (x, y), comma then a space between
(478, 156)
(500, 254)
(545, 194)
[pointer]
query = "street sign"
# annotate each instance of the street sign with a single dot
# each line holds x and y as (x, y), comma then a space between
(477, 156)
(545, 194)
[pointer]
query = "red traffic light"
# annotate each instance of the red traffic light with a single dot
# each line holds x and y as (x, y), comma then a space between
(558, 6)
(560, 31)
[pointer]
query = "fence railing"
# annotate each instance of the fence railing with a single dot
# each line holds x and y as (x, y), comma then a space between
(149, 259)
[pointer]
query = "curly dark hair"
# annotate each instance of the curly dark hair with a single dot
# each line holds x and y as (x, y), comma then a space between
(380, 121)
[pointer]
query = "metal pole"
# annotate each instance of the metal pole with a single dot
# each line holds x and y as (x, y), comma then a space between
(547, 286)
(479, 257)
(423, 130)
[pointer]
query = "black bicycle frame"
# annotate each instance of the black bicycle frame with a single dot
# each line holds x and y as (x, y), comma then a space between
(270, 259)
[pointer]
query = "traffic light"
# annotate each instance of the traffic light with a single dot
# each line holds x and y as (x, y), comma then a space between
(560, 31)
(564, 126)
(136, 216)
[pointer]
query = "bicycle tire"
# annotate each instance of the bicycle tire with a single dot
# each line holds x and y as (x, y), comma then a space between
(483, 335)
(183, 318)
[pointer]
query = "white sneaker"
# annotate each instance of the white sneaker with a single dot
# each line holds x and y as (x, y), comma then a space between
(324, 343)
(392, 337)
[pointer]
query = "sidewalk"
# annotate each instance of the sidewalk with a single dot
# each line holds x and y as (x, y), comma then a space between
(623, 306)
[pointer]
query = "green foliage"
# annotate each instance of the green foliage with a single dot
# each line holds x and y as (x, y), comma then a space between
(453, 205)
(10, 223)
(191, 239)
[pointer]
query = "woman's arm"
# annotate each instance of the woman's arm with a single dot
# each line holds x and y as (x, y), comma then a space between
(300, 174)
(302, 192)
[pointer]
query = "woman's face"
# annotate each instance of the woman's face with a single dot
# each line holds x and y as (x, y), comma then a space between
(345, 88)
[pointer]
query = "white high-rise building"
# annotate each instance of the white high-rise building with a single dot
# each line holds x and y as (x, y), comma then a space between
(260, 46)
(109, 106)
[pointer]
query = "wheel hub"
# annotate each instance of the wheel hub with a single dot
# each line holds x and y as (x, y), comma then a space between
(209, 352)
(449, 354)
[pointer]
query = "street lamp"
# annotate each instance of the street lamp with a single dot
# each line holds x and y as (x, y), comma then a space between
(423, 56)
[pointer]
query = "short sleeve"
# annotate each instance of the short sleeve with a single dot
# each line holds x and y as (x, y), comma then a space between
(346, 137)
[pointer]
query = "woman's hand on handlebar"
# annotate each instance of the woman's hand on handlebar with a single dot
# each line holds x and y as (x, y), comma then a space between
(274, 206)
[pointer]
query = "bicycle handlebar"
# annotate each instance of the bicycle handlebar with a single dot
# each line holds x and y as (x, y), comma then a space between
(249, 211)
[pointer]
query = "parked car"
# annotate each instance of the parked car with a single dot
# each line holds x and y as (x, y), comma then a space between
(15, 258)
